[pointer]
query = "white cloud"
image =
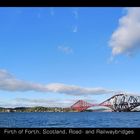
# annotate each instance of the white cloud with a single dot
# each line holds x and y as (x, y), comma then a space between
(126, 38)
(9, 83)
(76, 90)
(65, 49)
(75, 13)
(75, 29)
(26, 102)
(44, 102)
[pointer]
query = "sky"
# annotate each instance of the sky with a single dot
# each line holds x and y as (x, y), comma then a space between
(55, 56)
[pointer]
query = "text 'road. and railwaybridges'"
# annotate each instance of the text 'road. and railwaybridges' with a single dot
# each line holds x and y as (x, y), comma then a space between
(117, 103)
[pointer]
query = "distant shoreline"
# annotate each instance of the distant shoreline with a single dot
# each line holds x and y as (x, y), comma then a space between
(48, 109)
(36, 109)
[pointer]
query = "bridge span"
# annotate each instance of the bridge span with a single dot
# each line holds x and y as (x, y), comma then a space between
(118, 103)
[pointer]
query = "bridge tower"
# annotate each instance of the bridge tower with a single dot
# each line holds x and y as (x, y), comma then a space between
(81, 105)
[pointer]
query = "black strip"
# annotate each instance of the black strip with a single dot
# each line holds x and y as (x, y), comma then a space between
(131, 132)
(70, 3)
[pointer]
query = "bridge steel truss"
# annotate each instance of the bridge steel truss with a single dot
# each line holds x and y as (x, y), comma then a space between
(122, 102)
(81, 105)
(118, 103)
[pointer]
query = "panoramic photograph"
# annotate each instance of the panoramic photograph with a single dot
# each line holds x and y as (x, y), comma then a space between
(69, 67)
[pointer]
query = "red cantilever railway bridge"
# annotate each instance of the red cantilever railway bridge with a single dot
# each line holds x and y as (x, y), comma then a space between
(119, 102)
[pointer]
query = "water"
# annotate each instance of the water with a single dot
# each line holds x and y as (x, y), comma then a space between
(71, 119)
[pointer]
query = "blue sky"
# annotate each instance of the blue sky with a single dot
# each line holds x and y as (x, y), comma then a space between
(69, 46)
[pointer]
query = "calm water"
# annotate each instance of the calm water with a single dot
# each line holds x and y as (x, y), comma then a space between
(83, 120)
